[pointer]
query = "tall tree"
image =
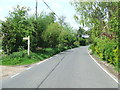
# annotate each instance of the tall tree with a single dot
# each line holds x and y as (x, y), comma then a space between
(40, 25)
(15, 28)
(103, 19)
(51, 34)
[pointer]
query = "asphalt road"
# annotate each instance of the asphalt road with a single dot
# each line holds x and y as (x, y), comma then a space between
(70, 69)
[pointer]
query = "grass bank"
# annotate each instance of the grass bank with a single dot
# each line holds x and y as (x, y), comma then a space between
(0, 43)
(21, 58)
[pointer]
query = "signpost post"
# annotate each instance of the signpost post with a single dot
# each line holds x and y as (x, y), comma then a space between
(28, 38)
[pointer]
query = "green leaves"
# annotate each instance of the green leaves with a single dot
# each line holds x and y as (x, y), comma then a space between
(15, 28)
(58, 36)
(51, 34)
(44, 31)
(101, 18)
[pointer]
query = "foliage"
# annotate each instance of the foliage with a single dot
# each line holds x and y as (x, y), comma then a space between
(107, 51)
(15, 28)
(46, 35)
(58, 36)
(40, 25)
(103, 20)
(43, 31)
(81, 40)
(80, 32)
(66, 38)
(0, 43)
(51, 34)
(21, 58)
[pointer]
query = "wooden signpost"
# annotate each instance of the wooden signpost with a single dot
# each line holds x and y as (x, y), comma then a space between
(28, 38)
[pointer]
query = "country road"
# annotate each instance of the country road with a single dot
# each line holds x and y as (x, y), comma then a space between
(73, 68)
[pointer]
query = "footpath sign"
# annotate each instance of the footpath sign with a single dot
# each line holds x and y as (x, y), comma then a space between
(28, 38)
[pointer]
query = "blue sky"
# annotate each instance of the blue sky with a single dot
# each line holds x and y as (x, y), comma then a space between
(60, 7)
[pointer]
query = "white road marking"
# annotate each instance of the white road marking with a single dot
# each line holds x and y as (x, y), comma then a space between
(29, 68)
(42, 61)
(104, 69)
(15, 75)
(39, 62)
(50, 57)
(45, 60)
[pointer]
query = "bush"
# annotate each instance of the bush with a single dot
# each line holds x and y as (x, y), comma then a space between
(22, 58)
(106, 50)
(76, 43)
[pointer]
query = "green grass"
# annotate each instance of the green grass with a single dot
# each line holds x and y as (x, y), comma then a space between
(0, 43)
(21, 58)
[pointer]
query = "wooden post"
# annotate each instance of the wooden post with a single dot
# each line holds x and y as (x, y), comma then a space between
(28, 38)
(28, 45)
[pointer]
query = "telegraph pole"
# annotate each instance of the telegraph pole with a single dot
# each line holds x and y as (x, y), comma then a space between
(36, 8)
(36, 15)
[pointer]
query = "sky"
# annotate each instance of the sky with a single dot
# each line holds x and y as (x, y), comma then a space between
(60, 7)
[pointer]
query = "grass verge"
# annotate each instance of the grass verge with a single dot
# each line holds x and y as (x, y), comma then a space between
(0, 44)
(21, 58)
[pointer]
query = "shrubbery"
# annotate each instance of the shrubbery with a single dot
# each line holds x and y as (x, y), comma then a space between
(44, 31)
(22, 58)
(47, 37)
(107, 50)
(102, 19)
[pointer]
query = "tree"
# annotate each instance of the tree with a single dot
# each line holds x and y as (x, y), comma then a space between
(16, 26)
(62, 20)
(103, 20)
(40, 24)
(0, 29)
(51, 34)
(80, 32)
(97, 16)
(66, 38)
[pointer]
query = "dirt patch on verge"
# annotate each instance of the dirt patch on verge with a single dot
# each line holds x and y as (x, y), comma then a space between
(7, 71)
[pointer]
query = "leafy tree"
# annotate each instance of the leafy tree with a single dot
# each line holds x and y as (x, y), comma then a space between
(40, 25)
(16, 26)
(80, 32)
(62, 20)
(44, 31)
(51, 34)
(67, 37)
(103, 20)
(0, 29)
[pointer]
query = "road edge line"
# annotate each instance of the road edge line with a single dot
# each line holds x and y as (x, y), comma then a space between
(42, 61)
(28, 68)
(49, 58)
(15, 75)
(103, 69)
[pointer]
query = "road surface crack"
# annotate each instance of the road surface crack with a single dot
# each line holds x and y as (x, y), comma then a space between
(50, 73)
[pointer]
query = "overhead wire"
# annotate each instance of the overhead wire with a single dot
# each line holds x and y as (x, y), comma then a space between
(53, 11)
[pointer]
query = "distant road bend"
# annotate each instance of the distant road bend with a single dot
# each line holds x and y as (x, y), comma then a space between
(73, 68)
